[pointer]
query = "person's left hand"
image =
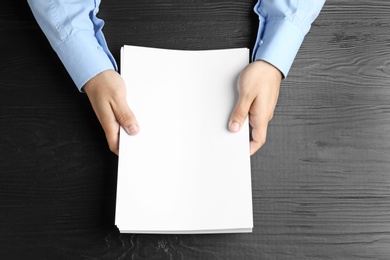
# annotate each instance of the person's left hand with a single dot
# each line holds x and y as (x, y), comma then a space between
(258, 89)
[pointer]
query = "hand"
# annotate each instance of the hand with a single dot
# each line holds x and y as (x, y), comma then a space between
(258, 89)
(107, 94)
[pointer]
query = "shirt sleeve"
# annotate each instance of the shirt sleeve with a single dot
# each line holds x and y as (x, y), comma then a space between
(283, 25)
(75, 34)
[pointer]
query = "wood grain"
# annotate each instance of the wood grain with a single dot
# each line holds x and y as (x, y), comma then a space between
(321, 184)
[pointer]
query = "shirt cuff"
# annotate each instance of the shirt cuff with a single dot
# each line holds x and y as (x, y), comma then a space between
(83, 57)
(278, 44)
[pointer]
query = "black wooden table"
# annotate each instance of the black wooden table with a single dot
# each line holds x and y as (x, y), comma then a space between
(321, 184)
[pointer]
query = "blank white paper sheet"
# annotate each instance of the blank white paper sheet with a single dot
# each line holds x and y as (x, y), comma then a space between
(185, 172)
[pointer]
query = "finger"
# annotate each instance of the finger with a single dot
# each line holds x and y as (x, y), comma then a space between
(260, 116)
(240, 113)
(110, 126)
(259, 134)
(112, 136)
(125, 116)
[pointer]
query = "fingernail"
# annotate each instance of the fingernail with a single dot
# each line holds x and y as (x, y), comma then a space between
(133, 129)
(234, 127)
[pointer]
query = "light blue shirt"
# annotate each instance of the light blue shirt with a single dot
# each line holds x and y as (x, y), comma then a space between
(283, 25)
(75, 33)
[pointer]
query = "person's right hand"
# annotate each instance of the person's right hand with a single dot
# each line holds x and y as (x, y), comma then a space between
(107, 94)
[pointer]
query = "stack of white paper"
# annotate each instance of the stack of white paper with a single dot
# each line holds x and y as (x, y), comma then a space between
(184, 172)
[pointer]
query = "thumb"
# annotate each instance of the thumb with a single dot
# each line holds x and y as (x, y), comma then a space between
(239, 113)
(125, 116)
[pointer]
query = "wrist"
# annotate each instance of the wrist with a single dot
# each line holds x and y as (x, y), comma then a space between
(269, 68)
(96, 80)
